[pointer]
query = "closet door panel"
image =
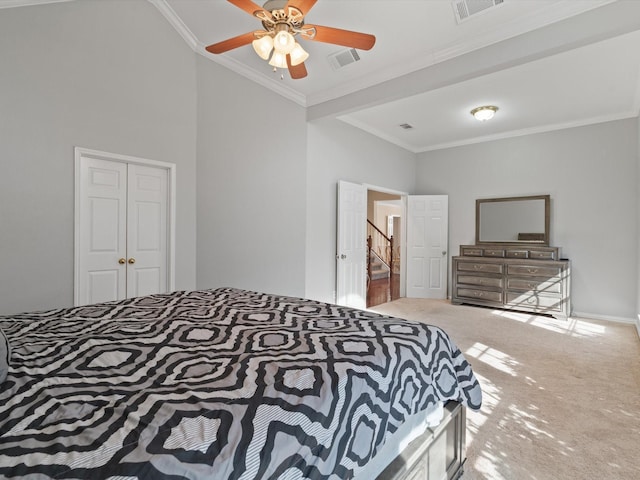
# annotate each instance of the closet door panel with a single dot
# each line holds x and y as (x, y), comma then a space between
(103, 224)
(147, 230)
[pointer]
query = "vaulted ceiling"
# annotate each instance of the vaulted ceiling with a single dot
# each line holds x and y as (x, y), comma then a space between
(546, 64)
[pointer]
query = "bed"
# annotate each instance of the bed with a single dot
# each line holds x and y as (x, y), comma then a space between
(222, 384)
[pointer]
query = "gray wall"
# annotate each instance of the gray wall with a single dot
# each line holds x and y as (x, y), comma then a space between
(591, 174)
(251, 185)
(115, 76)
(637, 317)
(337, 151)
(111, 76)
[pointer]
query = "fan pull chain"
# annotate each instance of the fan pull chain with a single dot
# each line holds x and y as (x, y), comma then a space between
(275, 70)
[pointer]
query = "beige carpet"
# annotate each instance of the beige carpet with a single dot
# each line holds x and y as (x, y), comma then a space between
(561, 399)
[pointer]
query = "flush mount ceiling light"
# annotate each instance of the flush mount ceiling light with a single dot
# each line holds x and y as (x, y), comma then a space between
(484, 113)
(283, 20)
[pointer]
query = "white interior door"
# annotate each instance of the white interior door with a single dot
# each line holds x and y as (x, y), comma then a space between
(146, 230)
(427, 241)
(103, 236)
(123, 228)
(351, 256)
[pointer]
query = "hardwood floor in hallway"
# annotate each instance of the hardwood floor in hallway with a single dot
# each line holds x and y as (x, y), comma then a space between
(383, 290)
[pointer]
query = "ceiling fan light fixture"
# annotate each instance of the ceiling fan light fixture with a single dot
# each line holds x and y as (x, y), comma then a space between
(284, 42)
(298, 55)
(484, 113)
(263, 46)
(282, 20)
(278, 60)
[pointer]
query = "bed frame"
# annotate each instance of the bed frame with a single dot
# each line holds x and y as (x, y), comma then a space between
(437, 454)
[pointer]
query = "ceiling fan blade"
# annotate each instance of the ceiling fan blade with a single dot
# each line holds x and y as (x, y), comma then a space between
(346, 38)
(231, 43)
(303, 5)
(296, 71)
(250, 7)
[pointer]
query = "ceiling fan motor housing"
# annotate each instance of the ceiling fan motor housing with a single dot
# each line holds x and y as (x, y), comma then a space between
(271, 5)
(291, 19)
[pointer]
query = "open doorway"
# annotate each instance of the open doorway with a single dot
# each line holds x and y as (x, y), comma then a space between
(421, 253)
(384, 240)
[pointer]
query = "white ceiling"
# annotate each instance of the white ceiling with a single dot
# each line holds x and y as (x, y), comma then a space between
(546, 64)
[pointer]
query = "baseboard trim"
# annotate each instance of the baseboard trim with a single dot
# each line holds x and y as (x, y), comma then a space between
(608, 318)
(638, 325)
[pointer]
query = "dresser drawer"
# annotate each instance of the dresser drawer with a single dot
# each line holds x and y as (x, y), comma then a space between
(537, 302)
(480, 267)
(535, 270)
(543, 254)
(517, 254)
(471, 251)
(478, 294)
(493, 252)
(552, 285)
(496, 282)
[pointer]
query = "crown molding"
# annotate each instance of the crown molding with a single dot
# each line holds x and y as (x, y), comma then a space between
(176, 22)
(241, 69)
(531, 131)
(377, 133)
(228, 62)
(27, 3)
(561, 11)
(487, 138)
(636, 97)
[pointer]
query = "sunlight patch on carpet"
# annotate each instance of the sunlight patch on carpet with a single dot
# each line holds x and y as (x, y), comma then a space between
(494, 358)
(572, 326)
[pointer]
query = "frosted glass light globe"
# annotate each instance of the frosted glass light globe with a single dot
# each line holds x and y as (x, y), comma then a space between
(263, 46)
(298, 55)
(284, 42)
(278, 60)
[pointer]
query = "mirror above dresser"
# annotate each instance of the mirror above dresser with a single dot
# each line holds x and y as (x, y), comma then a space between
(513, 220)
(512, 266)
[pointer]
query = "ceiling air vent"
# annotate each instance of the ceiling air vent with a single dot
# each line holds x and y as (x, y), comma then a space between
(467, 8)
(406, 126)
(343, 58)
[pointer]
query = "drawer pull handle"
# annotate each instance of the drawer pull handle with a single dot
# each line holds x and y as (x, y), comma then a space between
(532, 270)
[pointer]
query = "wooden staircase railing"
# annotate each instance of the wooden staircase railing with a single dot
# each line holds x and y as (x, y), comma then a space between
(380, 245)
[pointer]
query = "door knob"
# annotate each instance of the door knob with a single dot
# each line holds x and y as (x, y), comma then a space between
(132, 261)
(444, 252)
(122, 261)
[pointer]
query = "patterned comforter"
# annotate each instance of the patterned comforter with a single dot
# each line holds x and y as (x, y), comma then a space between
(215, 384)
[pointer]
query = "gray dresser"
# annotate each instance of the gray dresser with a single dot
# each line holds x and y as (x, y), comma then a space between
(519, 277)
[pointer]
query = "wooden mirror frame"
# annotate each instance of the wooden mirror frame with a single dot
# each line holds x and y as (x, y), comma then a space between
(538, 241)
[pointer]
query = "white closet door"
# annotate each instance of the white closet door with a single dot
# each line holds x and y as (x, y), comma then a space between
(122, 234)
(103, 233)
(146, 231)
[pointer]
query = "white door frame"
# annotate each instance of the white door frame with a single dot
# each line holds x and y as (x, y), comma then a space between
(403, 245)
(80, 153)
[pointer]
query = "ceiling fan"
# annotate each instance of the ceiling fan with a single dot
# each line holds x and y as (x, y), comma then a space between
(282, 21)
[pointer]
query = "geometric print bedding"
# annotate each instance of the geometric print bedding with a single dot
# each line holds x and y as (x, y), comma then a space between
(215, 384)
